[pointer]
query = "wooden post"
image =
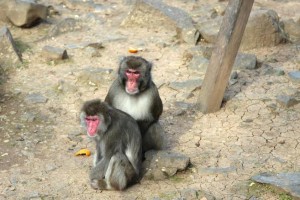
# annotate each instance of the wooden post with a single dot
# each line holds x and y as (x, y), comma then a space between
(223, 55)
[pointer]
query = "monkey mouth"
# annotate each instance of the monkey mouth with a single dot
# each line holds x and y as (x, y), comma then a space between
(91, 134)
(132, 92)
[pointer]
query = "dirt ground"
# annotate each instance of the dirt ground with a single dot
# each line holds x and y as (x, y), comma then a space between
(251, 133)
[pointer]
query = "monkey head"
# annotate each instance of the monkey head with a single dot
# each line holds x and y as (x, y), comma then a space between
(95, 117)
(135, 74)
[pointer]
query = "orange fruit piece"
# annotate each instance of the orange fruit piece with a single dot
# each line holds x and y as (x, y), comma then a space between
(132, 50)
(83, 152)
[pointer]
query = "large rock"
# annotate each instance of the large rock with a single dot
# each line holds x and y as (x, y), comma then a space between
(160, 165)
(263, 30)
(64, 26)
(154, 14)
(289, 182)
(292, 30)
(9, 55)
(25, 13)
(188, 85)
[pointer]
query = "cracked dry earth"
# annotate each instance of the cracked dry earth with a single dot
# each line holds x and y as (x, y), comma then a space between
(251, 133)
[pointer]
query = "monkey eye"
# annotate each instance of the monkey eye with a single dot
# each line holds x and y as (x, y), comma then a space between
(90, 119)
(131, 71)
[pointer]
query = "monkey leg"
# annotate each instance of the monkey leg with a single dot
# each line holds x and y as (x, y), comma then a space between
(154, 138)
(97, 175)
(120, 172)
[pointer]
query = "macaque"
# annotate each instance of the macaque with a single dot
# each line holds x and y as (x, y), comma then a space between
(118, 145)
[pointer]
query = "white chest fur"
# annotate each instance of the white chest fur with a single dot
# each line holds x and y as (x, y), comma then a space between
(137, 107)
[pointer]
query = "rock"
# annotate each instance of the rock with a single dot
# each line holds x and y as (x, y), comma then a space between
(54, 53)
(198, 64)
(290, 181)
(36, 98)
(263, 30)
(51, 167)
(269, 70)
(183, 105)
(294, 76)
(286, 101)
(95, 45)
(189, 194)
(159, 165)
(209, 29)
(129, 2)
(245, 61)
(3, 8)
(64, 87)
(95, 76)
(292, 30)
(9, 55)
(217, 170)
(193, 194)
(189, 85)
(28, 117)
(154, 13)
(199, 50)
(234, 75)
(64, 26)
(25, 13)
(185, 194)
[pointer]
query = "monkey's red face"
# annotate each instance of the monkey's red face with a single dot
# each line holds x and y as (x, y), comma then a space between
(92, 123)
(132, 86)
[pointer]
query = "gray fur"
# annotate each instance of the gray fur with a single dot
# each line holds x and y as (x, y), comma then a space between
(118, 148)
(145, 107)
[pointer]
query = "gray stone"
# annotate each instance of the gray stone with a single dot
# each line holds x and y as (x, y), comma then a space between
(95, 76)
(9, 55)
(217, 170)
(129, 2)
(263, 30)
(242, 61)
(65, 87)
(209, 29)
(269, 70)
(64, 26)
(51, 167)
(183, 105)
(160, 165)
(198, 64)
(199, 50)
(292, 30)
(234, 75)
(189, 194)
(290, 181)
(54, 53)
(154, 13)
(36, 98)
(245, 61)
(294, 76)
(287, 101)
(188, 86)
(96, 45)
(28, 117)
(25, 13)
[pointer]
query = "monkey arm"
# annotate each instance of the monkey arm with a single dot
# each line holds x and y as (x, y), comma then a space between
(98, 172)
(157, 106)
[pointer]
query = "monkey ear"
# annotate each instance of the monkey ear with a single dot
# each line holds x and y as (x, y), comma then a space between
(150, 64)
(121, 59)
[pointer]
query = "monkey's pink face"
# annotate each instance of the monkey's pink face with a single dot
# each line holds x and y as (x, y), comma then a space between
(132, 81)
(92, 123)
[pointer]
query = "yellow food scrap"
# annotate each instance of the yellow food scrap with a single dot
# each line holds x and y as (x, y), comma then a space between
(83, 152)
(132, 50)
